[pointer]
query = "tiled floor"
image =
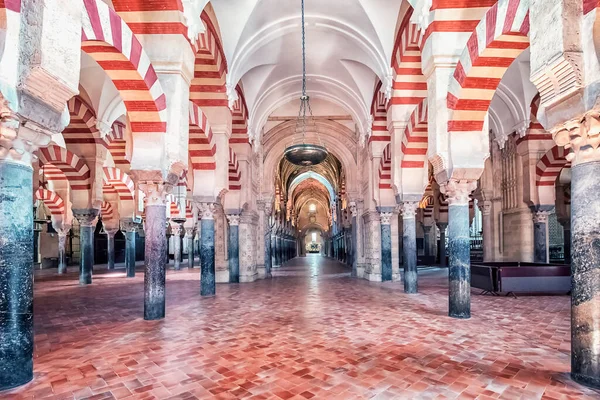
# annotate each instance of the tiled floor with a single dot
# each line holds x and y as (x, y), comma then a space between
(311, 332)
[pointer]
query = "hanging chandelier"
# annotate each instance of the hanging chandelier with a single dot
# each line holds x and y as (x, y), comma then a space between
(302, 153)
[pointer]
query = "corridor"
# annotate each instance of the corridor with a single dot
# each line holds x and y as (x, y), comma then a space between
(310, 332)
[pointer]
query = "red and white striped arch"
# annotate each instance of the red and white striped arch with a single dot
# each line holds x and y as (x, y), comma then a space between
(385, 169)
(110, 41)
(52, 201)
(549, 166)
(414, 140)
(189, 211)
(121, 182)
(82, 127)
(67, 166)
(210, 68)
(174, 211)
(410, 86)
(152, 17)
(535, 106)
(202, 147)
(116, 144)
(234, 172)
(239, 132)
(106, 211)
(380, 131)
(494, 44)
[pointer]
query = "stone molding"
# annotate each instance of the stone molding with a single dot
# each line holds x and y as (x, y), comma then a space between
(581, 136)
(87, 217)
(560, 78)
(458, 191)
(409, 209)
(233, 219)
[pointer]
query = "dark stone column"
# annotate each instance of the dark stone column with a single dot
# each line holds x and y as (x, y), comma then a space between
(16, 274)
(442, 245)
(274, 251)
(155, 228)
(386, 246)
(459, 248)
(267, 239)
(354, 211)
(540, 235)
(129, 227)
(234, 248)
(87, 225)
(280, 259)
(176, 230)
(585, 270)
(567, 241)
(426, 234)
(409, 246)
(62, 250)
(189, 236)
(110, 236)
(207, 249)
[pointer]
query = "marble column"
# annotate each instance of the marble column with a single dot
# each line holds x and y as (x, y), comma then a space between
(354, 211)
(426, 245)
(62, 250)
(189, 236)
(567, 241)
(129, 227)
(386, 245)
(155, 230)
(16, 272)
(585, 270)
(87, 224)
(207, 249)
(540, 235)
(486, 222)
(268, 210)
(409, 246)
(280, 251)
(442, 245)
(459, 270)
(110, 248)
(176, 230)
(274, 252)
(234, 248)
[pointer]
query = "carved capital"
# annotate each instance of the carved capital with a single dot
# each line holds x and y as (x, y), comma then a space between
(189, 232)
(458, 191)
(111, 232)
(87, 216)
(353, 209)
(176, 229)
(409, 209)
(541, 216)
(191, 12)
(485, 207)
(559, 78)
(233, 219)
(19, 141)
(385, 217)
(206, 210)
(156, 192)
(128, 226)
(581, 136)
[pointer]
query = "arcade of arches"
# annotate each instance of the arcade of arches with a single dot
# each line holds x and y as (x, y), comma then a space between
(462, 138)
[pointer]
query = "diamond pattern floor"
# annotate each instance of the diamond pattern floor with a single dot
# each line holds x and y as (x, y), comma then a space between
(311, 332)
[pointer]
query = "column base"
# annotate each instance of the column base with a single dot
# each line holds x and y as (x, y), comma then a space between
(590, 381)
(459, 315)
(222, 276)
(261, 271)
(276, 266)
(248, 278)
(372, 277)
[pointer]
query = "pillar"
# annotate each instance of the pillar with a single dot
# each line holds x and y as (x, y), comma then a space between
(110, 236)
(234, 248)
(459, 270)
(386, 245)
(442, 245)
(16, 271)
(176, 229)
(207, 249)
(189, 236)
(268, 209)
(274, 252)
(488, 238)
(409, 246)
(354, 238)
(62, 250)
(155, 229)
(567, 241)
(585, 270)
(426, 237)
(280, 259)
(540, 235)
(129, 227)
(87, 223)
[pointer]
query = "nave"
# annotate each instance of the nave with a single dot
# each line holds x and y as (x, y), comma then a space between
(310, 332)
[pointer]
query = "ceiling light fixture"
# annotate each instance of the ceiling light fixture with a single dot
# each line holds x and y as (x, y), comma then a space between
(302, 153)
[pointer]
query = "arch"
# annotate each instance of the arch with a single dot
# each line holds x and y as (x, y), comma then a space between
(52, 201)
(72, 168)
(312, 175)
(234, 173)
(415, 139)
(497, 40)
(239, 131)
(535, 106)
(379, 129)
(385, 169)
(106, 211)
(112, 44)
(549, 166)
(117, 145)
(202, 148)
(189, 210)
(82, 127)
(121, 182)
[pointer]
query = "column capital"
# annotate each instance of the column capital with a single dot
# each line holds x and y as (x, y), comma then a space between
(111, 232)
(233, 219)
(427, 228)
(189, 232)
(353, 209)
(18, 141)
(409, 209)
(485, 207)
(541, 216)
(156, 192)
(176, 229)
(458, 191)
(581, 136)
(128, 225)
(442, 225)
(385, 217)
(86, 216)
(206, 210)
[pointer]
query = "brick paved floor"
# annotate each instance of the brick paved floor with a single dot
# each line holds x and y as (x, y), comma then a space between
(311, 332)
